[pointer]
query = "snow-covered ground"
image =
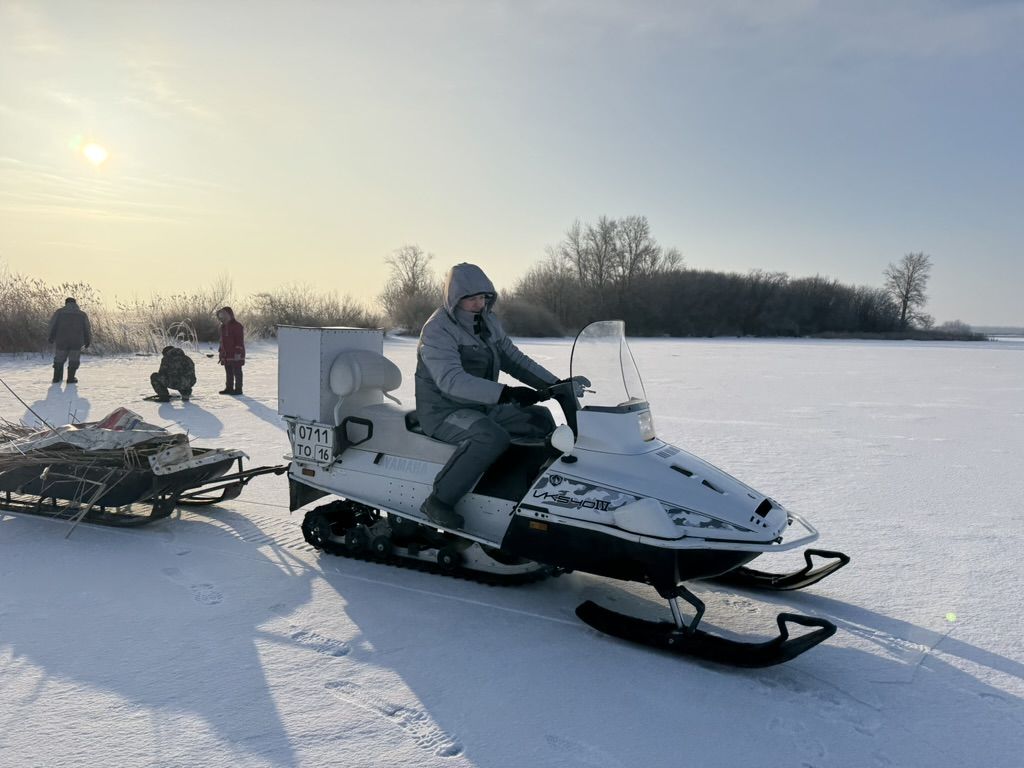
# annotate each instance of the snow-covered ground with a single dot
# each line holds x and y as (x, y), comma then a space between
(221, 639)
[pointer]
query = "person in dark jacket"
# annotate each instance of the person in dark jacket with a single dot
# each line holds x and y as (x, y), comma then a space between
(69, 333)
(232, 350)
(177, 371)
(462, 350)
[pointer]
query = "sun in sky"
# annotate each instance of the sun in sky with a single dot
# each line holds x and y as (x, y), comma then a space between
(95, 154)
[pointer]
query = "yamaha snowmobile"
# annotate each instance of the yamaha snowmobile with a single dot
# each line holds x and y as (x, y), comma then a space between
(602, 494)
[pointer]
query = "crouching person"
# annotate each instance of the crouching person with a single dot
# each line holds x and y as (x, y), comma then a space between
(177, 371)
(461, 351)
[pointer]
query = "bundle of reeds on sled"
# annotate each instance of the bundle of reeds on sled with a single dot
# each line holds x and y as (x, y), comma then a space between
(44, 472)
(23, 446)
(97, 471)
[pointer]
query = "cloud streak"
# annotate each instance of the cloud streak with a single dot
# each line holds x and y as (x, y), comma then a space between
(155, 93)
(36, 189)
(28, 31)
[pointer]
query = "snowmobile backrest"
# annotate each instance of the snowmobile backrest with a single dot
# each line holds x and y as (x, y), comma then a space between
(360, 378)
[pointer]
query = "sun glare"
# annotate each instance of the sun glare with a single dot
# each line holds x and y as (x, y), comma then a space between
(95, 154)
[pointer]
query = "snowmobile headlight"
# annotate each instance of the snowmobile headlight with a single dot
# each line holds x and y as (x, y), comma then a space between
(646, 422)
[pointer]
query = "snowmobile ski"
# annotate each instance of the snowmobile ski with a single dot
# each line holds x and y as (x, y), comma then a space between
(690, 641)
(750, 578)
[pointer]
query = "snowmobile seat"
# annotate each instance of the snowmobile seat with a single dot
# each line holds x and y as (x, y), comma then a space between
(360, 378)
(391, 437)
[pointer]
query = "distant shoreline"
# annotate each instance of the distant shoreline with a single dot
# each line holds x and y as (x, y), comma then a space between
(909, 335)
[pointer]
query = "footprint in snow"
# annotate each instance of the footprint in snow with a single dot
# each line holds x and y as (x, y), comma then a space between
(327, 646)
(204, 594)
(580, 753)
(416, 723)
(803, 740)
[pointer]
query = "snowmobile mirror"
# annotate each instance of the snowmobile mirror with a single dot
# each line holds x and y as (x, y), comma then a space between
(562, 439)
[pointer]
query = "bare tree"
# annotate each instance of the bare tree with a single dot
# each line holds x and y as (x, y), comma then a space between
(411, 292)
(410, 269)
(573, 252)
(636, 252)
(671, 261)
(906, 282)
(600, 241)
(552, 284)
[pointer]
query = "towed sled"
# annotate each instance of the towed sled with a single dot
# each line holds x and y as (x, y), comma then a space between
(117, 471)
(601, 495)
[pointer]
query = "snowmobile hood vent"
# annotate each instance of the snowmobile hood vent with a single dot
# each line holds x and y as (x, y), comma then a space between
(713, 487)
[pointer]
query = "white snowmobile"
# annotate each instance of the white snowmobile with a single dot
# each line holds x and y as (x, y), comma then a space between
(602, 495)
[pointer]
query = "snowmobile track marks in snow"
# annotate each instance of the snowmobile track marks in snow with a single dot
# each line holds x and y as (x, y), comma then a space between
(416, 723)
(255, 529)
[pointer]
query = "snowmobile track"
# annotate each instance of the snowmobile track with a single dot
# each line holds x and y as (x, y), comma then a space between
(315, 539)
(426, 566)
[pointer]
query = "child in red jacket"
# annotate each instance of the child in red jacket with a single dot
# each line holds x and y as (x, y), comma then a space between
(232, 350)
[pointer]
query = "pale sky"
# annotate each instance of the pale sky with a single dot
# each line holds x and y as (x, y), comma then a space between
(302, 142)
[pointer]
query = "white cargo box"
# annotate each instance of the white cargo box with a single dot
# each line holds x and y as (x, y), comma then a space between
(304, 359)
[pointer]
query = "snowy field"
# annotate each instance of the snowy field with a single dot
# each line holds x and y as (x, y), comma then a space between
(220, 639)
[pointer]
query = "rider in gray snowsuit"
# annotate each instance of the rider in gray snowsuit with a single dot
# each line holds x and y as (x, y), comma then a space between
(462, 350)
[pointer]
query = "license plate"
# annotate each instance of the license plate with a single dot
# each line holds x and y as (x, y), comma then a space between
(313, 442)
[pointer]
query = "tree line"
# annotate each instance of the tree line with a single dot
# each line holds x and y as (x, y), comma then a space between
(610, 268)
(615, 268)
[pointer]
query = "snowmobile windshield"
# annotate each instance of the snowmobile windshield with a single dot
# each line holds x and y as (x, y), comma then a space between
(601, 353)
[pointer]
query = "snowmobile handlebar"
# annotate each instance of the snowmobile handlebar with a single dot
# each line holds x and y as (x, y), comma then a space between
(564, 393)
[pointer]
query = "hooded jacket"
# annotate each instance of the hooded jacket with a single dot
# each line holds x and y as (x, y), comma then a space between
(177, 370)
(69, 328)
(232, 340)
(461, 354)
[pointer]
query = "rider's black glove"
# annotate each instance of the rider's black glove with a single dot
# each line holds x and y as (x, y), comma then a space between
(522, 396)
(579, 384)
